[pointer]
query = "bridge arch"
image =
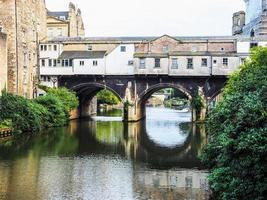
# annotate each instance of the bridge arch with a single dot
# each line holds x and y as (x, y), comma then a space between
(86, 92)
(145, 95)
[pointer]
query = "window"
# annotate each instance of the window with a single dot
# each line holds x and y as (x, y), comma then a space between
(142, 63)
(43, 62)
(45, 48)
(204, 62)
(95, 63)
(54, 63)
(130, 62)
(222, 49)
(62, 63)
(157, 62)
(42, 47)
(253, 44)
(189, 63)
(66, 63)
(89, 47)
(55, 47)
(225, 62)
(165, 48)
(71, 62)
(49, 47)
(58, 61)
(62, 17)
(81, 63)
(123, 48)
(174, 63)
(50, 62)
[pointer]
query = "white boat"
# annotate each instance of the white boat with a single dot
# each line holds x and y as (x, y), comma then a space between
(185, 110)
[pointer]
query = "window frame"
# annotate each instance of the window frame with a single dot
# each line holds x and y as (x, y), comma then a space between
(225, 62)
(142, 63)
(175, 64)
(82, 63)
(157, 63)
(190, 65)
(204, 62)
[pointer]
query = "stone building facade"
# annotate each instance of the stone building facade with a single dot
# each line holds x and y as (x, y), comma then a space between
(3, 61)
(24, 22)
(253, 22)
(65, 23)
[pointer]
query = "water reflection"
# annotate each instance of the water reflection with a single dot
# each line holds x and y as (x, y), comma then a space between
(108, 160)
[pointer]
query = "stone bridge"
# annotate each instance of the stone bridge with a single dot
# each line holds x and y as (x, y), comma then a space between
(135, 90)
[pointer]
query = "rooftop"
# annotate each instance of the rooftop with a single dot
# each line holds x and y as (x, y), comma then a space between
(82, 54)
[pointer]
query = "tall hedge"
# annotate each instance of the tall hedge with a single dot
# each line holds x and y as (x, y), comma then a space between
(237, 149)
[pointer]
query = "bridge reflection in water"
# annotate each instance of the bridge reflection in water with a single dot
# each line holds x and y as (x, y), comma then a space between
(107, 159)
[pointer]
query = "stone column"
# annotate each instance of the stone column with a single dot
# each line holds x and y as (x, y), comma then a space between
(132, 109)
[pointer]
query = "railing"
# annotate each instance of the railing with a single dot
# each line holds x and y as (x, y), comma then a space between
(6, 132)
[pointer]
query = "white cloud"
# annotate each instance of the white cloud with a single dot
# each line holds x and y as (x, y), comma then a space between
(151, 17)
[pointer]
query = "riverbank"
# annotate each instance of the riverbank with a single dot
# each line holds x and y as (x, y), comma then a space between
(27, 116)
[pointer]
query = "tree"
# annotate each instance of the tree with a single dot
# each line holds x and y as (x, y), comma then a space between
(237, 149)
(107, 97)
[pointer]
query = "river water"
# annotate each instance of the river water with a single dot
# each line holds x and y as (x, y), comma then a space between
(104, 159)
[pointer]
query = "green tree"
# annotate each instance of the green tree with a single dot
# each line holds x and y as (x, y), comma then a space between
(67, 98)
(107, 97)
(237, 149)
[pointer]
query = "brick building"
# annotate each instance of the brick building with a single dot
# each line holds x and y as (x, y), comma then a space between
(65, 23)
(24, 22)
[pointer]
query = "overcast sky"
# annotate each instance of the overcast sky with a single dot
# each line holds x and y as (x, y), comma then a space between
(154, 17)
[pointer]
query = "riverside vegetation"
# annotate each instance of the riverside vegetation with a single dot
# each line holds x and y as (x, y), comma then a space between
(237, 128)
(24, 115)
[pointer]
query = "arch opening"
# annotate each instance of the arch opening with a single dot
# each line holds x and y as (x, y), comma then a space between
(98, 100)
(165, 96)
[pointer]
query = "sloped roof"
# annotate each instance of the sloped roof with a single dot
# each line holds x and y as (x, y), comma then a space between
(139, 39)
(82, 54)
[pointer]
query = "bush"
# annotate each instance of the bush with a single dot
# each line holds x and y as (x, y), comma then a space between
(33, 115)
(67, 97)
(56, 115)
(237, 149)
(21, 111)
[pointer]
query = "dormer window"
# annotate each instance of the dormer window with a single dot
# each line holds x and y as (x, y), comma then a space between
(62, 17)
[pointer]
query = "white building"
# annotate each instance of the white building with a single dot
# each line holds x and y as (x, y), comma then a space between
(172, 56)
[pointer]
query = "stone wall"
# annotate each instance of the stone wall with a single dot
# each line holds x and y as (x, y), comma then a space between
(3, 61)
(75, 22)
(24, 21)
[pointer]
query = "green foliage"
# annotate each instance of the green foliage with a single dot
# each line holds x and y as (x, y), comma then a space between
(21, 111)
(56, 115)
(237, 149)
(33, 115)
(67, 97)
(107, 97)
(197, 103)
(7, 123)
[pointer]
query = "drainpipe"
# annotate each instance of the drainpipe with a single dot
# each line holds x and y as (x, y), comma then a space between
(17, 57)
